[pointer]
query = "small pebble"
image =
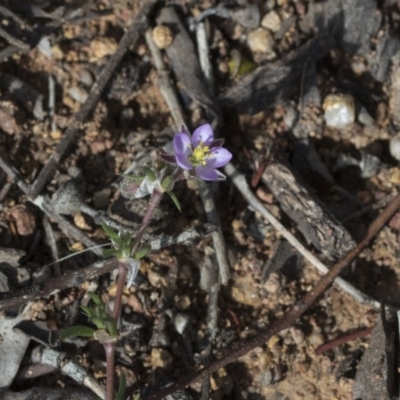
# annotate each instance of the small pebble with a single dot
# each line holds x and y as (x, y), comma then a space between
(101, 199)
(162, 36)
(260, 41)
(297, 335)
(78, 94)
(86, 78)
(100, 48)
(155, 279)
(80, 222)
(339, 110)
(182, 302)
(160, 358)
(275, 283)
(180, 322)
(272, 21)
(395, 147)
(56, 134)
(24, 220)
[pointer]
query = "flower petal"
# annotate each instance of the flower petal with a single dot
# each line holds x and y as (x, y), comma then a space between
(206, 173)
(221, 176)
(182, 144)
(218, 158)
(183, 161)
(168, 158)
(203, 134)
(217, 143)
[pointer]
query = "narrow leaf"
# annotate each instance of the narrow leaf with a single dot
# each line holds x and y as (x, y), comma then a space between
(142, 252)
(122, 387)
(168, 183)
(109, 232)
(175, 200)
(110, 252)
(133, 178)
(95, 299)
(150, 173)
(77, 331)
(89, 312)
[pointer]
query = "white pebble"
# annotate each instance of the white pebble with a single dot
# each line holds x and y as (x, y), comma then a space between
(272, 21)
(260, 41)
(395, 147)
(339, 110)
(78, 94)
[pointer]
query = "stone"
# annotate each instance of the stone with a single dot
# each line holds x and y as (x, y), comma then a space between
(260, 41)
(160, 358)
(272, 21)
(339, 110)
(162, 36)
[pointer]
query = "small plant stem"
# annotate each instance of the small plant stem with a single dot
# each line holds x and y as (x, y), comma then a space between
(109, 349)
(342, 340)
(123, 270)
(155, 199)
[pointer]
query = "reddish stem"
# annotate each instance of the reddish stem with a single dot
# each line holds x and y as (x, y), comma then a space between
(109, 349)
(155, 199)
(342, 340)
(123, 270)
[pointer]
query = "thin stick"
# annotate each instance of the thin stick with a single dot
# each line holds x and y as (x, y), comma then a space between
(292, 315)
(129, 39)
(165, 85)
(70, 367)
(8, 13)
(212, 320)
(342, 340)
(204, 52)
(14, 41)
(370, 207)
(53, 245)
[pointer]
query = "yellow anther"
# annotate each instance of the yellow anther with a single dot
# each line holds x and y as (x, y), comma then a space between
(199, 154)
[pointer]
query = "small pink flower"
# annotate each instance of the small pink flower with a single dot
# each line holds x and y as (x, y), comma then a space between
(201, 153)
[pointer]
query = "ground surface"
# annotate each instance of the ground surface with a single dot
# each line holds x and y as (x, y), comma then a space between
(132, 117)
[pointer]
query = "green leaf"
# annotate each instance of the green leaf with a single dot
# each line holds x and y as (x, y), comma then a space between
(168, 183)
(175, 200)
(77, 331)
(110, 252)
(122, 387)
(142, 252)
(99, 322)
(111, 325)
(89, 312)
(109, 232)
(96, 299)
(150, 173)
(133, 178)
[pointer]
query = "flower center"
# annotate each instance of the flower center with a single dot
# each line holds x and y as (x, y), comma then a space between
(199, 155)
